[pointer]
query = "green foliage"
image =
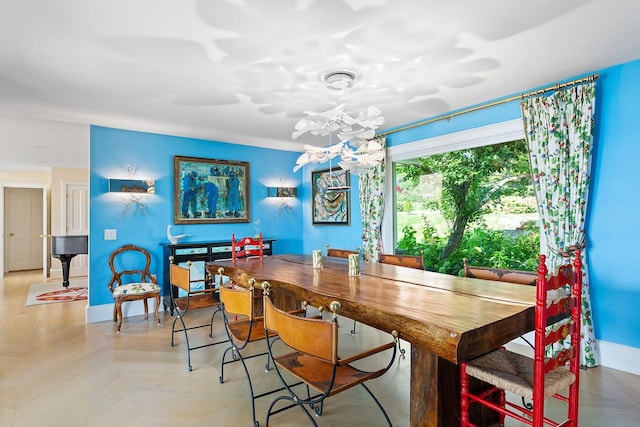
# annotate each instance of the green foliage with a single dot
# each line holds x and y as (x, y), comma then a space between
(405, 205)
(429, 232)
(515, 205)
(472, 182)
(473, 177)
(491, 248)
(464, 186)
(408, 244)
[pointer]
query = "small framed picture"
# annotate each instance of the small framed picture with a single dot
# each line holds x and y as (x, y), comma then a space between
(330, 197)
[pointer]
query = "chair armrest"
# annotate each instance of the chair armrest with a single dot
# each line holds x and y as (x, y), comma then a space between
(298, 311)
(196, 301)
(366, 353)
(204, 291)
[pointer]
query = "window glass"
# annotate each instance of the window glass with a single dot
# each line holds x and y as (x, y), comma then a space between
(476, 203)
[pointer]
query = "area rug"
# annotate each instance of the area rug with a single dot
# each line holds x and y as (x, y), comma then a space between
(47, 293)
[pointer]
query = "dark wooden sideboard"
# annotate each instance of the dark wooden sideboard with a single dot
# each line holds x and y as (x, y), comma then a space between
(198, 253)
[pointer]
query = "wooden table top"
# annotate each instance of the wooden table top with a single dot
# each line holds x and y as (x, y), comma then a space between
(457, 318)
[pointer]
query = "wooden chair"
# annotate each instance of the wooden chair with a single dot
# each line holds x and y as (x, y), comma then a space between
(410, 261)
(187, 298)
(518, 277)
(246, 247)
(313, 358)
(125, 264)
(341, 253)
(243, 327)
(557, 318)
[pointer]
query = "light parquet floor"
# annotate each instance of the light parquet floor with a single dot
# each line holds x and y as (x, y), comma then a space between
(56, 370)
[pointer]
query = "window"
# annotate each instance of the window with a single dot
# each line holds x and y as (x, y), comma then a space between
(464, 195)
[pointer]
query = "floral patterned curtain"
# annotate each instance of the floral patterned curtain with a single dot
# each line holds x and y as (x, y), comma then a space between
(371, 183)
(559, 131)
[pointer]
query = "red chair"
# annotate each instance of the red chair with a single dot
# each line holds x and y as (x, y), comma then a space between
(246, 247)
(557, 317)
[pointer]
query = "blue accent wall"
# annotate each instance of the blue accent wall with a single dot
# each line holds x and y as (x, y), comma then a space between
(612, 228)
(336, 236)
(482, 117)
(113, 150)
(612, 225)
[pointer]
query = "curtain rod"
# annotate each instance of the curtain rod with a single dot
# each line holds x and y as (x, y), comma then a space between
(555, 87)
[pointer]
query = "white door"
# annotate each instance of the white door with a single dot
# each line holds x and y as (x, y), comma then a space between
(23, 228)
(77, 223)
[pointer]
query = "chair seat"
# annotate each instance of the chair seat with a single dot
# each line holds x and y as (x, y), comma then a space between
(514, 372)
(240, 330)
(139, 288)
(317, 373)
(197, 301)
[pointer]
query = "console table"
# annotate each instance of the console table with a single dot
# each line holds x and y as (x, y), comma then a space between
(198, 253)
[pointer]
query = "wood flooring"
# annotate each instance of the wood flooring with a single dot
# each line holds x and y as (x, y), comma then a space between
(56, 370)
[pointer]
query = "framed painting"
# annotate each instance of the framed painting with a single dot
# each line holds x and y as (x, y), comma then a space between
(210, 191)
(330, 197)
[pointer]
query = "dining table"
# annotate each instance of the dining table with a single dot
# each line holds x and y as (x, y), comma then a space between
(447, 319)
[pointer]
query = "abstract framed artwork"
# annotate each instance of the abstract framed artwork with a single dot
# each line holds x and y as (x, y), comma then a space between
(330, 197)
(210, 191)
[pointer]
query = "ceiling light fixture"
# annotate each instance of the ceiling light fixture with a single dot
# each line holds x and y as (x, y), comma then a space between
(357, 148)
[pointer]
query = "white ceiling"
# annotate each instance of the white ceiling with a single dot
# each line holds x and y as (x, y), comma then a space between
(244, 71)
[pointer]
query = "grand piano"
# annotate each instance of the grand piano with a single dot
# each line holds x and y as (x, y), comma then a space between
(65, 248)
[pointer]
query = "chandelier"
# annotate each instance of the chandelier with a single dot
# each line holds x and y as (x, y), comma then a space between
(355, 146)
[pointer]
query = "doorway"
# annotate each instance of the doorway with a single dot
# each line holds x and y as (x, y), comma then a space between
(76, 218)
(24, 228)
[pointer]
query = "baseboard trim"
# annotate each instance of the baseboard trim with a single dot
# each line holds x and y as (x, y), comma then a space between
(612, 355)
(620, 357)
(104, 312)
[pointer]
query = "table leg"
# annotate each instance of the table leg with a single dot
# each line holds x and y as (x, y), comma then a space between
(435, 393)
(434, 390)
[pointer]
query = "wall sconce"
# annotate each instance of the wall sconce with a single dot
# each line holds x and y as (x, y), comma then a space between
(132, 186)
(132, 191)
(282, 197)
(282, 191)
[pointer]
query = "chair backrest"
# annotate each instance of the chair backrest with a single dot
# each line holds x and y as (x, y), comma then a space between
(316, 337)
(127, 266)
(341, 253)
(246, 247)
(520, 277)
(558, 305)
(411, 261)
(238, 301)
(180, 276)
